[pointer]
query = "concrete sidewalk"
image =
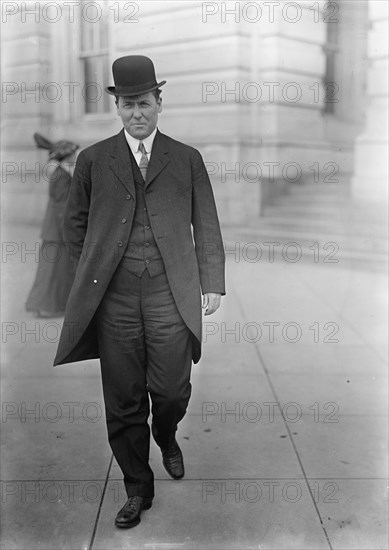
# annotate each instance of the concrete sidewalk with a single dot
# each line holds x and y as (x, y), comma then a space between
(285, 440)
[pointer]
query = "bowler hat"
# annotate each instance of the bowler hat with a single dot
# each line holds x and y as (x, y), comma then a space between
(133, 75)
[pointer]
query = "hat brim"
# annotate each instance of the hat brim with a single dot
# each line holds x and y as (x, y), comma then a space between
(130, 92)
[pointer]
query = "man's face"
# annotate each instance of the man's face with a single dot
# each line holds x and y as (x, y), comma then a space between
(139, 114)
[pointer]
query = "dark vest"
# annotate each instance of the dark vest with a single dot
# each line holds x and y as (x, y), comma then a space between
(142, 251)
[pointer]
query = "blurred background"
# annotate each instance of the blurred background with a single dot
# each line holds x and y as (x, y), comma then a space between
(287, 102)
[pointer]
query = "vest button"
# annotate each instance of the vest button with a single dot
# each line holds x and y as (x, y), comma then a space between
(147, 261)
(120, 243)
(147, 244)
(128, 197)
(124, 220)
(147, 227)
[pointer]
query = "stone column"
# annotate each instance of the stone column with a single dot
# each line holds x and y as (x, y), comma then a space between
(370, 180)
(26, 108)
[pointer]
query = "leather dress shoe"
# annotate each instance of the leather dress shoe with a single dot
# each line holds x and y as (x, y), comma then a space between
(173, 461)
(129, 515)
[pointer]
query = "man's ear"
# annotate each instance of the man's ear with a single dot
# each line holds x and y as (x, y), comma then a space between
(159, 102)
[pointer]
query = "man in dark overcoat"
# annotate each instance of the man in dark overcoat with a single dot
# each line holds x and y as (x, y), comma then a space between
(141, 221)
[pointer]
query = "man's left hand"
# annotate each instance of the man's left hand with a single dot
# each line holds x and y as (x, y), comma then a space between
(211, 302)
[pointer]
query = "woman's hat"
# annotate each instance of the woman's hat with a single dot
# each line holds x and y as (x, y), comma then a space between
(57, 151)
(133, 75)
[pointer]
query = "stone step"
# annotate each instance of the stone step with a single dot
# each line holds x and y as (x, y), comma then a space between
(366, 252)
(314, 188)
(369, 242)
(324, 226)
(323, 211)
(309, 213)
(305, 202)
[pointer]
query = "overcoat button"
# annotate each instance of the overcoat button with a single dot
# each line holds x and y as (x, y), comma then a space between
(147, 227)
(147, 244)
(124, 220)
(120, 243)
(128, 197)
(95, 281)
(147, 261)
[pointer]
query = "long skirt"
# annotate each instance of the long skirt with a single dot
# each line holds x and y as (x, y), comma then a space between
(53, 280)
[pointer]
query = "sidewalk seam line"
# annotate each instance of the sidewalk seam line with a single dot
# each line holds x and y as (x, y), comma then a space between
(90, 545)
(264, 367)
(346, 321)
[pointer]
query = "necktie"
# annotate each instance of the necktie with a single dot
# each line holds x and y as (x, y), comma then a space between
(143, 161)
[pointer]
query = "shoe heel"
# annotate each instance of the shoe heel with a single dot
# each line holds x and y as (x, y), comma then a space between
(147, 505)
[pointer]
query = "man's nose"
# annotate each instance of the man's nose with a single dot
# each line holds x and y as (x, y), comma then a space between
(137, 112)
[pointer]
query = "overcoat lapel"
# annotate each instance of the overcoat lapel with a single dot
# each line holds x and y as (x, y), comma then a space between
(120, 163)
(159, 158)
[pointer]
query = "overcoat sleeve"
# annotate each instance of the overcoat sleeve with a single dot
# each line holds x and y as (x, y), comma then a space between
(206, 230)
(77, 207)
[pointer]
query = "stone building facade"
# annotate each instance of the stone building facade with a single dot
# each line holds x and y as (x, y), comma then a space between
(370, 179)
(269, 92)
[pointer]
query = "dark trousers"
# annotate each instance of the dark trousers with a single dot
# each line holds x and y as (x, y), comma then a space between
(145, 349)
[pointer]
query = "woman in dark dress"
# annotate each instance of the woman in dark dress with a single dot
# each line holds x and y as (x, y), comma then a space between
(55, 273)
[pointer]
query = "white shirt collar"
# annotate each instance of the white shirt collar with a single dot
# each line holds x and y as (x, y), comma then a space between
(134, 143)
